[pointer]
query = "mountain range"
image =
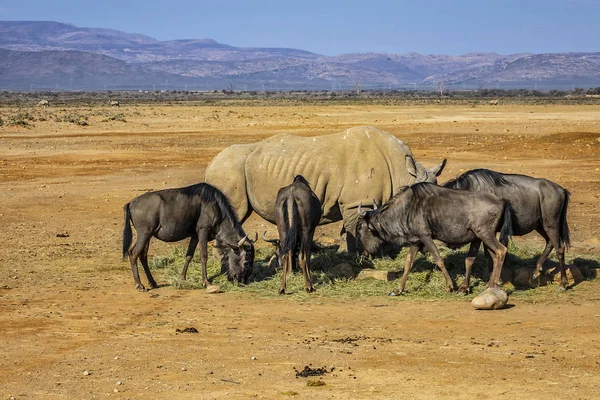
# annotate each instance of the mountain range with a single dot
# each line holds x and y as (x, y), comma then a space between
(53, 55)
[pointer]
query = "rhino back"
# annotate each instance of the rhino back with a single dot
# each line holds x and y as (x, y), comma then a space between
(226, 173)
(343, 169)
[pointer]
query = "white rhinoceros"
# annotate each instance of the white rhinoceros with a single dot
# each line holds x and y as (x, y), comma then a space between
(360, 165)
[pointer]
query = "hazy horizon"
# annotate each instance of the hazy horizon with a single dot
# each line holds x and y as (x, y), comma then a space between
(333, 28)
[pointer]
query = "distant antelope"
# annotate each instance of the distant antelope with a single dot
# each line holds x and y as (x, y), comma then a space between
(43, 103)
(113, 103)
(494, 102)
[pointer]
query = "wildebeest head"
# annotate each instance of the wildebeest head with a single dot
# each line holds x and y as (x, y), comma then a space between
(366, 233)
(238, 260)
(422, 174)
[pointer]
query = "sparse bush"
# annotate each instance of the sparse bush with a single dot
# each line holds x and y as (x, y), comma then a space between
(76, 119)
(116, 117)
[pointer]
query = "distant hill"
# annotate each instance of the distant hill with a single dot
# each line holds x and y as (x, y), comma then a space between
(46, 54)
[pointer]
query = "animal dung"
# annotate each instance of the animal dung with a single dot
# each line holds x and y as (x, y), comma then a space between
(187, 330)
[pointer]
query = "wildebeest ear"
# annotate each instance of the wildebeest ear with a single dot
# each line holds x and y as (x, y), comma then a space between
(411, 167)
(437, 170)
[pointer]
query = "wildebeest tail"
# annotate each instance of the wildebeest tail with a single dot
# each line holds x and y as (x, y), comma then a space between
(564, 226)
(290, 217)
(506, 231)
(127, 234)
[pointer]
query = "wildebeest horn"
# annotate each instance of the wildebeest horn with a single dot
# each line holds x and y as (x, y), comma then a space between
(360, 212)
(242, 240)
(255, 237)
(264, 237)
(374, 205)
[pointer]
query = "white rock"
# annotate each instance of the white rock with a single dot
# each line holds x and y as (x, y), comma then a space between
(490, 299)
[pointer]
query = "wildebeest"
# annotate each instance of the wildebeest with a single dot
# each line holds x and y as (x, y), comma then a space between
(537, 204)
(297, 214)
(113, 103)
(43, 103)
(200, 212)
(344, 169)
(423, 212)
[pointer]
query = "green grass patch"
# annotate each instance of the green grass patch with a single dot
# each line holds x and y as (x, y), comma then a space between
(425, 281)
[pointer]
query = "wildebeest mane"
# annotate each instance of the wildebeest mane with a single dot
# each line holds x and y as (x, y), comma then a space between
(208, 194)
(475, 178)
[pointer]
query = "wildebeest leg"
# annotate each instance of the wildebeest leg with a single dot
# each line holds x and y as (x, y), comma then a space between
(304, 257)
(287, 268)
(432, 248)
(473, 249)
(410, 260)
(203, 240)
(144, 260)
(498, 252)
(134, 253)
(539, 265)
(560, 254)
(189, 255)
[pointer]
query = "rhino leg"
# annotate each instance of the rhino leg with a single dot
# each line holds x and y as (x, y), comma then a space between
(350, 218)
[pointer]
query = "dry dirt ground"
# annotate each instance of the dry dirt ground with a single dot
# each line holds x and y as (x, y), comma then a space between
(72, 326)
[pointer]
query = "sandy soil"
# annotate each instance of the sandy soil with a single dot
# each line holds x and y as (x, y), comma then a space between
(72, 325)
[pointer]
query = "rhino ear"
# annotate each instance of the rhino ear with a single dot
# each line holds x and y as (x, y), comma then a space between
(411, 167)
(437, 170)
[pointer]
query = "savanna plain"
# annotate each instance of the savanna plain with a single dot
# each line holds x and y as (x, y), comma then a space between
(73, 326)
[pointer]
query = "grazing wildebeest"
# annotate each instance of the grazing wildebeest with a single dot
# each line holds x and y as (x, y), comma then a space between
(343, 169)
(200, 212)
(537, 204)
(297, 214)
(424, 211)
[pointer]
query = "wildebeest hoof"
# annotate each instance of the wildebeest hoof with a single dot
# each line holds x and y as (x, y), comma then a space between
(562, 288)
(310, 289)
(395, 292)
(281, 291)
(140, 287)
(462, 292)
(153, 285)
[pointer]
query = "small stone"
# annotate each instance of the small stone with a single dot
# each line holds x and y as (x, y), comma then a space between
(490, 299)
(212, 289)
(377, 274)
(253, 358)
(86, 373)
(116, 390)
(119, 383)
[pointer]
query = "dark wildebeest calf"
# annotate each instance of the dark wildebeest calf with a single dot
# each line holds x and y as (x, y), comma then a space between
(423, 212)
(537, 204)
(297, 214)
(200, 212)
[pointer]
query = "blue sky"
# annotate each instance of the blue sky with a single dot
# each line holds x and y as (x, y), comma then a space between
(337, 27)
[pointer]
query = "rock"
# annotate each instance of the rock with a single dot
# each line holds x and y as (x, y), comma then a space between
(574, 274)
(343, 270)
(490, 299)
(86, 373)
(212, 289)
(377, 274)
